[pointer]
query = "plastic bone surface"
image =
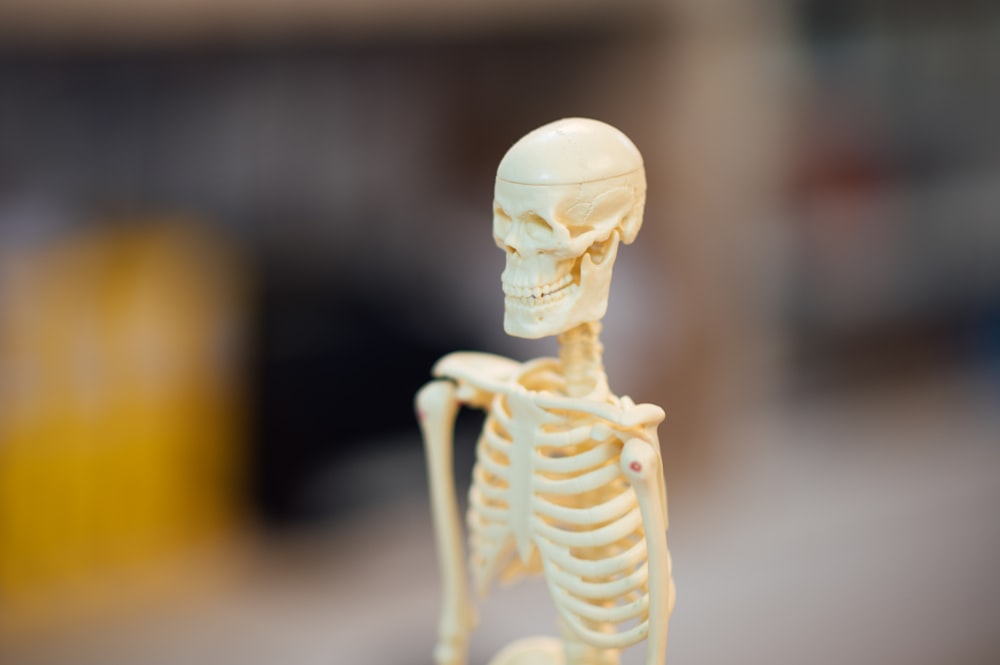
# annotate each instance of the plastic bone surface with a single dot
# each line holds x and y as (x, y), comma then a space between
(566, 194)
(568, 480)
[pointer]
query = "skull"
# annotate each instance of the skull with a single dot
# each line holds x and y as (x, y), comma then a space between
(565, 195)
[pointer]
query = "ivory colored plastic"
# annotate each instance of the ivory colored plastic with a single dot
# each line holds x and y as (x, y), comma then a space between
(568, 479)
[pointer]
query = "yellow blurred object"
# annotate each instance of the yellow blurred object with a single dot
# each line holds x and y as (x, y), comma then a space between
(119, 409)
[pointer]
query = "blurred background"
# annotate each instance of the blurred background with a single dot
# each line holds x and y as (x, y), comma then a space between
(234, 237)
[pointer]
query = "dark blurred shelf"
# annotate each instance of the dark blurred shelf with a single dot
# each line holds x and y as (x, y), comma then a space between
(160, 22)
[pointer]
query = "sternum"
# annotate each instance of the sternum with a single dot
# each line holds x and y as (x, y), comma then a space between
(526, 421)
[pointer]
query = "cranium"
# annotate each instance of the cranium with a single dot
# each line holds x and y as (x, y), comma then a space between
(565, 195)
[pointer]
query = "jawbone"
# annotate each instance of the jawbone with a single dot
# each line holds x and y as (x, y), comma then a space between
(552, 313)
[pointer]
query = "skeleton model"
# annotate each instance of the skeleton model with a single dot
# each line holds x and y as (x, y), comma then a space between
(568, 479)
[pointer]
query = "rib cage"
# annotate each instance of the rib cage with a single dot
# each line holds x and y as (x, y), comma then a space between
(586, 529)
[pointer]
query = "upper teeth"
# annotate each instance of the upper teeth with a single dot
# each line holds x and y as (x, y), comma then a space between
(531, 296)
(537, 291)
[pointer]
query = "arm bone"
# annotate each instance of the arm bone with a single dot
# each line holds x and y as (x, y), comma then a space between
(437, 407)
(640, 461)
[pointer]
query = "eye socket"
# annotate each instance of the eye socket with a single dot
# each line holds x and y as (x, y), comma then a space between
(535, 227)
(501, 225)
